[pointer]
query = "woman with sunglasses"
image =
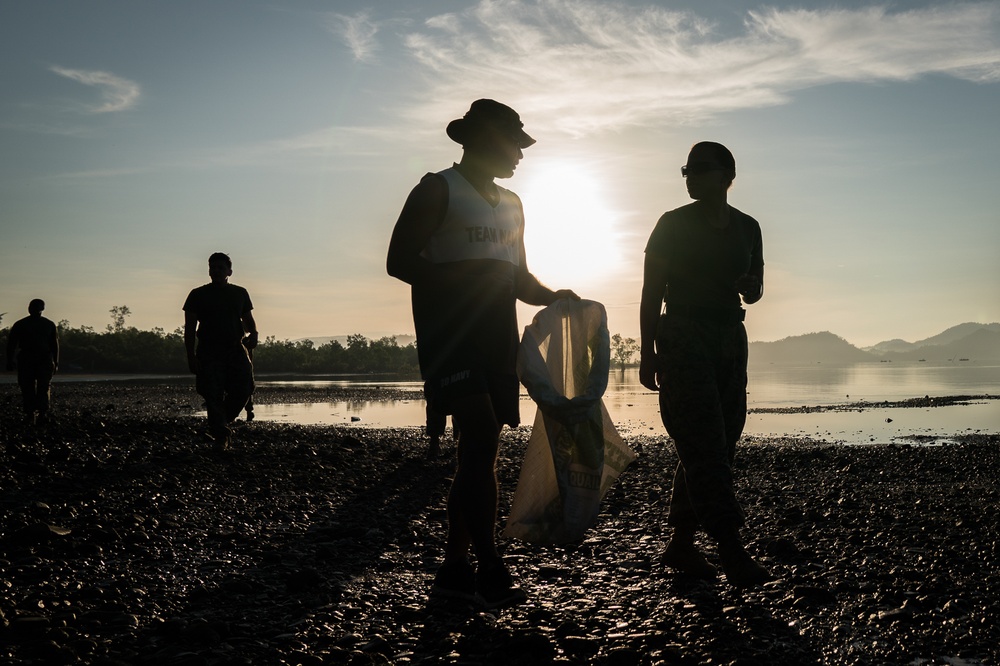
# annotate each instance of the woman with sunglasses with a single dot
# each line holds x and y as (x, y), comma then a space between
(703, 261)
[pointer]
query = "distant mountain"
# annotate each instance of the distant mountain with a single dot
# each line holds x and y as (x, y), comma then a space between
(946, 337)
(969, 341)
(894, 345)
(982, 344)
(824, 347)
(957, 333)
(972, 341)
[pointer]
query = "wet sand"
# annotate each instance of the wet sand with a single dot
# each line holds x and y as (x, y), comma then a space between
(124, 540)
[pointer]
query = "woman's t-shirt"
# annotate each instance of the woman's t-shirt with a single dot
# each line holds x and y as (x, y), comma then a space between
(704, 262)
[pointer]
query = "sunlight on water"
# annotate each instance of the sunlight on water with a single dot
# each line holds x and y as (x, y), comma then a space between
(635, 410)
(882, 425)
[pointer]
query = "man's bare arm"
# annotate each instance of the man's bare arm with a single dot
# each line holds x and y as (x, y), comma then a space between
(190, 329)
(54, 346)
(250, 326)
(420, 217)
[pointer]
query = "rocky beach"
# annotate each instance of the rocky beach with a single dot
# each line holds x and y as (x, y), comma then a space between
(125, 539)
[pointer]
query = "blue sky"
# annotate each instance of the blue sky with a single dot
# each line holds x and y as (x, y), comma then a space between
(137, 138)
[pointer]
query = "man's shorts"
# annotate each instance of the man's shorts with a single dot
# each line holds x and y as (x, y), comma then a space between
(504, 391)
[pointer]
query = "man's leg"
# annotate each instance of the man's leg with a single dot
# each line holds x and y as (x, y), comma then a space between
(43, 388)
(238, 382)
(26, 382)
(472, 502)
(210, 383)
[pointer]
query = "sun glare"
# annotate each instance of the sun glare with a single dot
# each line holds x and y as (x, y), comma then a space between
(570, 232)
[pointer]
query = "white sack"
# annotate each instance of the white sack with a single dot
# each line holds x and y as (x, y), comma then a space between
(574, 454)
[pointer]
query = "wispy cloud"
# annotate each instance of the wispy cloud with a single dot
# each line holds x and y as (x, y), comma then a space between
(117, 93)
(597, 66)
(358, 31)
(586, 66)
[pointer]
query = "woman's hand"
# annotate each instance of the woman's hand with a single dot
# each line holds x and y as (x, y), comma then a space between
(749, 287)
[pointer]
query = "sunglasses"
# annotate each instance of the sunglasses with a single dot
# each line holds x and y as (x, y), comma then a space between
(696, 168)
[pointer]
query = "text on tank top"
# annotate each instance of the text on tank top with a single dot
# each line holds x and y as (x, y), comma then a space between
(473, 229)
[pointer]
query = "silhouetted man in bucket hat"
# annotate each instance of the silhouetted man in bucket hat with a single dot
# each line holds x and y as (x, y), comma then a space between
(459, 243)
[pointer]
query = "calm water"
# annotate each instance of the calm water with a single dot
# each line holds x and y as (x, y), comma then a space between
(635, 410)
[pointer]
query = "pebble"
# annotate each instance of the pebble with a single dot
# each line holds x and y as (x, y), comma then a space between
(126, 540)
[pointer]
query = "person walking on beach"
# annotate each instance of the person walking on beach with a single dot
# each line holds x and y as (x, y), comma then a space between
(700, 260)
(459, 243)
(217, 315)
(34, 342)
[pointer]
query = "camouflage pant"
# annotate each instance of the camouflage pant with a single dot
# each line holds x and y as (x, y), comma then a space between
(225, 380)
(34, 377)
(703, 405)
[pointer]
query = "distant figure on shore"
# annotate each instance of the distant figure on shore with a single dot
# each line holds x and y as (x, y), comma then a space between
(459, 243)
(700, 260)
(34, 342)
(217, 315)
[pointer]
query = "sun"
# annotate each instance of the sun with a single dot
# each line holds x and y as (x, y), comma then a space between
(571, 233)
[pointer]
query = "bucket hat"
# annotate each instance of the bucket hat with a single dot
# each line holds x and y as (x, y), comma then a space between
(488, 113)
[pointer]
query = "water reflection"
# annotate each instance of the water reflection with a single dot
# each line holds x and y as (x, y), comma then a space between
(826, 384)
(635, 410)
(882, 425)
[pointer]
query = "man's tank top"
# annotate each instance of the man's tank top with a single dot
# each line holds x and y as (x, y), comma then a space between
(471, 323)
(474, 229)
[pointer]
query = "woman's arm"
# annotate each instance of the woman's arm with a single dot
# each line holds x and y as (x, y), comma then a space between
(751, 285)
(654, 282)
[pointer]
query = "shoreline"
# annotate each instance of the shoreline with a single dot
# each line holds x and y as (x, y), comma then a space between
(125, 540)
(180, 388)
(860, 405)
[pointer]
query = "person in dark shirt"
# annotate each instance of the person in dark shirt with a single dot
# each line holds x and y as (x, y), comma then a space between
(459, 244)
(34, 341)
(216, 316)
(701, 260)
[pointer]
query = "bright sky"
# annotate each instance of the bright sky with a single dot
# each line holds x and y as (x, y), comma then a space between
(138, 137)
